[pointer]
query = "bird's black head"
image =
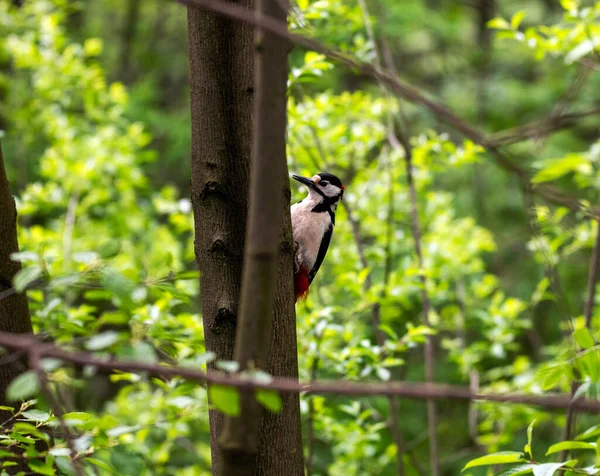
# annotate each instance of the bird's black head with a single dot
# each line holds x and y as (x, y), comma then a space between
(326, 185)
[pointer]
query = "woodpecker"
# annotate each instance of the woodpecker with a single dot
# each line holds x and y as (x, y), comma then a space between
(313, 219)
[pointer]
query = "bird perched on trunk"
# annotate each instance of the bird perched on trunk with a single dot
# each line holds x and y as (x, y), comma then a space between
(313, 219)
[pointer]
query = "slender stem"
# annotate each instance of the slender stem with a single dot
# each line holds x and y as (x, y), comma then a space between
(36, 365)
(429, 346)
(587, 313)
(592, 276)
(310, 431)
(70, 219)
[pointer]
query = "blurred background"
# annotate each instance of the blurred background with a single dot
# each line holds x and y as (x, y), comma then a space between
(95, 129)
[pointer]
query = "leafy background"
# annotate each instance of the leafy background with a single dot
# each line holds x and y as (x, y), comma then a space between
(95, 127)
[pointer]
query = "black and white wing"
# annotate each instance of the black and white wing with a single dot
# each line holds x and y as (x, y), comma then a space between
(321, 254)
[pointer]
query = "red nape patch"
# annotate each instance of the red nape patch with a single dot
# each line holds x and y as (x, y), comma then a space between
(301, 284)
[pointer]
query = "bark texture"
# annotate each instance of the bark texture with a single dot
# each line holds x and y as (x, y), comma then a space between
(268, 248)
(221, 81)
(14, 311)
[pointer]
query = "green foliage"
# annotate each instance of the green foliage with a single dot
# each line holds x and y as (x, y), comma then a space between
(95, 146)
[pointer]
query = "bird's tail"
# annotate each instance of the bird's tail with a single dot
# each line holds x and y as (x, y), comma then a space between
(301, 283)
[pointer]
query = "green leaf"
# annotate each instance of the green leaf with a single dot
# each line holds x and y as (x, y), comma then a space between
(517, 19)
(383, 373)
(100, 464)
(85, 257)
(81, 416)
(109, 249)
(60, 452)
(119, 285)
(570, 445)
(498, 24)
(554, 169)
(589, 433)
(36, 415)
(25, 277)
(269, 399)
(501, 457)
(227, 365)
(102, 340)
(185, 275)
(546, 469)
(226, 399)
(140, 352)
(40, 467)
(121, 430)
(528, 449)
(584, 338)
(569, 5)
(25, 385)
(126, 462)
(519, 470)
(579, 51)
(581, 391)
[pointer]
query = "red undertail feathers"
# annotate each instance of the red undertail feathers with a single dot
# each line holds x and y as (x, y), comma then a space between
(301, 283)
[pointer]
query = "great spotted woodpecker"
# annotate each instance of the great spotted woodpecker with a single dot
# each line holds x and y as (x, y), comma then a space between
(313, 219)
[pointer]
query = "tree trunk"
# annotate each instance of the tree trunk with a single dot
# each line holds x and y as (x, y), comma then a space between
(14, 311)
(268, 248)
(221, 86)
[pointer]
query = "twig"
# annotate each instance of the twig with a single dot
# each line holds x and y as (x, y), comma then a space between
(429, 348)
(587, 312)
(413, 390)
(69, 228)
(34, 363)
(310, 431)
(398, 87)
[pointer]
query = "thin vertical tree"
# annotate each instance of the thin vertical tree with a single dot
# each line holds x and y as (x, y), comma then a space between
(265, 243)
(222, 89)
(14, 311)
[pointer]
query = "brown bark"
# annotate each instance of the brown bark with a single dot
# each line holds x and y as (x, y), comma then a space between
(268, 247)
(14, 311)
(221, 80)
(221, 83)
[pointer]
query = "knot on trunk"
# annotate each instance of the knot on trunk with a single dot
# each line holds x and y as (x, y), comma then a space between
(224, 321)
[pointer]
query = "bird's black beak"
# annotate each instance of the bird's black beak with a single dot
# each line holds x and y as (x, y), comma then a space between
(306, 181)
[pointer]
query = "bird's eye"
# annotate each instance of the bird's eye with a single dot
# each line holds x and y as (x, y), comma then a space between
(323, 183)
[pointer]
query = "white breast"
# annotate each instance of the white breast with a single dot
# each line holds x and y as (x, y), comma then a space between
(309, 229)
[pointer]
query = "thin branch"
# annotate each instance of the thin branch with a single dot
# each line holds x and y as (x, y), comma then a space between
(36, 366)
(592, 278)
(539, 128)
(429, 347)
(413, 390)
(402, 143)
(411, 94)
(587, 312)
(70, 219)
(386, 77)
(310, 431)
